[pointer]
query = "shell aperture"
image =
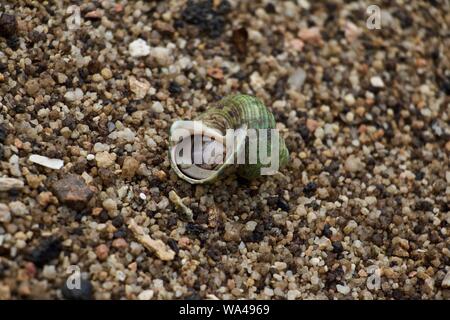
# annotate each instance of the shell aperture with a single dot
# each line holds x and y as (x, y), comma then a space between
(224, 139)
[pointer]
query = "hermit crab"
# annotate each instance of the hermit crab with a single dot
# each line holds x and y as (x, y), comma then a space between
(236, 134)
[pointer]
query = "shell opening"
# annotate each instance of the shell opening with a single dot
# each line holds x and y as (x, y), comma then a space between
(200, 155)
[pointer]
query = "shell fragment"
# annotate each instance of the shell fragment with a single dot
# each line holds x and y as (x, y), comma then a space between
(47, 162)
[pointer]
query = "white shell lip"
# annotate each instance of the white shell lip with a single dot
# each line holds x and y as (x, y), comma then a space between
(194, 174)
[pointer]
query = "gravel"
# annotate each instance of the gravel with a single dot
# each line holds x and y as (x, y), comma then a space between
(360, 212)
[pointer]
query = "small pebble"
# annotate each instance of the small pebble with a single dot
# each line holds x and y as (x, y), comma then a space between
(146, 295)
(139, 48)
(102, 252)
(72, 191)
(376, 82)
(5, 213)
(343, 289)
(18, 208)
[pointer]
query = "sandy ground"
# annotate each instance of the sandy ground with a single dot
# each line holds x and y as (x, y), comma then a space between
(360, 211)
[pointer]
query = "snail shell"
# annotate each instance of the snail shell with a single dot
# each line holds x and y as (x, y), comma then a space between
(238, 112)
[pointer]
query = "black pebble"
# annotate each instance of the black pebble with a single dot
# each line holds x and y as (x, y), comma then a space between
(2, 133)
(270, 8)
(84, 293)
(214, 254)
(174, 88)
(47, 250)
(121, 233)
(304, 132)
(117, 221)
(337, 247)
(13, 42)
(333, 167)
(420, 175)
(8, 25)
(202, 14)
(194, 229)
(173, 245)
(103, 217)
(327, 231)
(424, 206)
(310, 188)
(283, 205)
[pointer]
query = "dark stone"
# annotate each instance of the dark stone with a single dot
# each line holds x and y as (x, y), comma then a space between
(117, 221)
(419, 228)
(304, 132)
(13, 42)
(214, 254)
(94, 66)
(103, 217)
(405, 18)
(377, 239)
(8, 25)
(46, 251)
(282, 204)
(173, 245)
(85, 292)
(69, 122)
(174, 88)
(327, 230)
(36, 36)
(224, 7)
(270, 8)
(3, 133)
(424, 206)
(420, 175)
(333, 167)
(106, 175)
(73, 191)
(239, 38)
(193, 296)
(194, 229)
(445, 85)
(310, 188)
(210, 21)
(337, 247)
(121, 233)
(172, 222)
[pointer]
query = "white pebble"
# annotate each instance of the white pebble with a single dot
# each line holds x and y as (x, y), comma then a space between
(161, 55)
(100, 147)
(297, 79)
(18, 208)
(157, 107)
(446, 281)
(251, 225)
(146, 295)
(293, 294)
(139, 48)
(342, 289)
(377, 82)
(75, 95)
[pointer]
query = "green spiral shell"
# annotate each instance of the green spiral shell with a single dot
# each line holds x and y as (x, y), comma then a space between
(234, 112)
